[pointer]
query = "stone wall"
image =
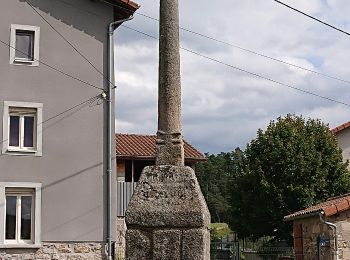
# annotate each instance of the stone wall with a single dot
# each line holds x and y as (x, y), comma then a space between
(313, 227)
(57, 251)
(120, 243)
(343, 229)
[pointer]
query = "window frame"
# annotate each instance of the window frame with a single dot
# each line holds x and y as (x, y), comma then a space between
(21, 189)
(36, 39)
(22, 113)
(26, 108)
(19, 193)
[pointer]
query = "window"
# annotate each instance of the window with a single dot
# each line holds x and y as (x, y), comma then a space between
(22, 126)
(20, 214)
(24, 45)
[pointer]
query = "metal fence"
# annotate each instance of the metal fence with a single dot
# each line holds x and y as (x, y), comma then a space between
(269, 253)
(224, 251)
(124, 193)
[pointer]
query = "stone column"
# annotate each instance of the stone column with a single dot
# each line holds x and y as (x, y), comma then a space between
(167, 217)
(169, 136)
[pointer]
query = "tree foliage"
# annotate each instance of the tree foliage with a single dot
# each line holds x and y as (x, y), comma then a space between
(214, 177)
(295, 163)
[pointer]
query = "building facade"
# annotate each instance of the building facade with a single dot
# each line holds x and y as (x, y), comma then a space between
(342, 133)
(322, 231)
(53, 159)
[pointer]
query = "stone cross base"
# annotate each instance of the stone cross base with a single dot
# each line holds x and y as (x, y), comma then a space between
(167, 217)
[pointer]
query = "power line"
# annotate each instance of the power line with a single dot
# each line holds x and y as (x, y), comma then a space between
(87, 101)
(67, 41)
(55, 69)
(242, 48)
(237, 68)
(312, 17)
(245, 71)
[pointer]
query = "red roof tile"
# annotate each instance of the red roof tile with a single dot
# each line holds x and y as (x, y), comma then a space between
(132, 5)
(330, 207)
(337, 129)
(133, 146)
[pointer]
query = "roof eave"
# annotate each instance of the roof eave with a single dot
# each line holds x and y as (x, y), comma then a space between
(307, 215)
(143, 157)
(126, 6)
(338, 129)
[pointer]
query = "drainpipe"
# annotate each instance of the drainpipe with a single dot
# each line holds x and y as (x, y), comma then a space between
(334, 228)
(109, 122)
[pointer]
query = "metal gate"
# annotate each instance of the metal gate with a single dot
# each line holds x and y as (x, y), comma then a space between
(224, 251)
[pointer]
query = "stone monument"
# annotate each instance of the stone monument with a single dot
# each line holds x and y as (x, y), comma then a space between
(167, 217)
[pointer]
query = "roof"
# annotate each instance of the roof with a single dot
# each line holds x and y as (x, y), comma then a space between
(130, 4)
(330, 207)
(337, 129)
(144, 146)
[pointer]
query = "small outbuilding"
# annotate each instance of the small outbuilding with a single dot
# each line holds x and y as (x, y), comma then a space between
(322, 232)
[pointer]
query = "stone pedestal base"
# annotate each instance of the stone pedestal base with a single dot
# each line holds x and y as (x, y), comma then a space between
(167, 217)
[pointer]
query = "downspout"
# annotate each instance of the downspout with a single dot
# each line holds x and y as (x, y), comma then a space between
(109, 122)
(334, 228)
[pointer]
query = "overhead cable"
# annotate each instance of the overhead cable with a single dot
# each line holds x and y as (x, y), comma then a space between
(312, 17)
(240, 69)
(67, 41)
(55, 69)
(245, 71)
(88, 101)
(242, 48)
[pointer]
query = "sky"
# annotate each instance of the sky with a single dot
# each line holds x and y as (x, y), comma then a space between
(222, 108)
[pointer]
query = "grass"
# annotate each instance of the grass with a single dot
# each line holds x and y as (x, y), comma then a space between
(219, 230)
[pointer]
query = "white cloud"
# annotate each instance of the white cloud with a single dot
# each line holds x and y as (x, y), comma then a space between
(223, 107)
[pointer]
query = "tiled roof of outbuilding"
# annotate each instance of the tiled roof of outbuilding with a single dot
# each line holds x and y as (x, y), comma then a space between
(134, 6)
(133, 146)
(330, 207)
(337, 129)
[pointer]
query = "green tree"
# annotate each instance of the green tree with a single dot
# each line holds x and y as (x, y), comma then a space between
(213, 177)
(294, 164)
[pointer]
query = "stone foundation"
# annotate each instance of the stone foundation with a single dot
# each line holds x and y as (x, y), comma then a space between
(57, 251)
(120, 243)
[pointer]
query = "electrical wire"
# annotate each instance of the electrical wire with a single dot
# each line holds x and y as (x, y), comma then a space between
(67, 41)
(55, 69)
(261, 54)
(241, 48)
(87, 101)
(240, 69)
(312, 17)
(245, 71)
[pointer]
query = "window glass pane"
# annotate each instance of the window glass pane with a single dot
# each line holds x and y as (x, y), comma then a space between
(26, 217)
(14, 130)
(24, 44)
(28, 131)
(10, 217)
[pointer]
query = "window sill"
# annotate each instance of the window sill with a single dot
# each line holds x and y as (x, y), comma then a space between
(23, 61)
(16, 150)
(22, 152)
(21, 246)
(30, 63)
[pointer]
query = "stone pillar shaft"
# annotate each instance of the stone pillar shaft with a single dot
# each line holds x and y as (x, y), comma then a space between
(167, 217)
(169, 135)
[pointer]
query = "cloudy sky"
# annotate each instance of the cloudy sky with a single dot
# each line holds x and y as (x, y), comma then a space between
(223, 107)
